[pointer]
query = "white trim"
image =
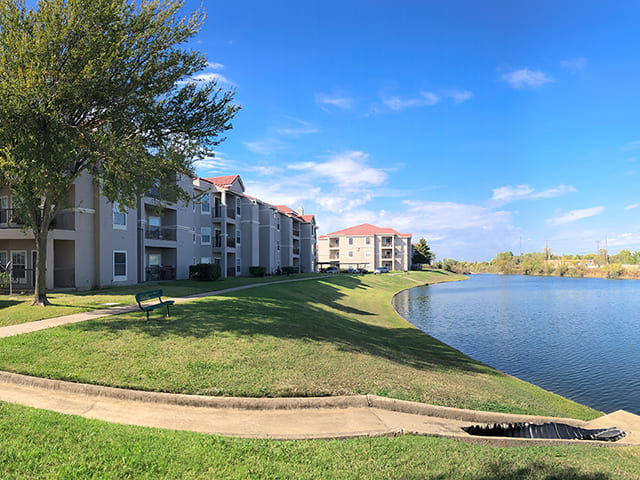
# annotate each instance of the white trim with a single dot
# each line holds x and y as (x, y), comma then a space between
(119, 278)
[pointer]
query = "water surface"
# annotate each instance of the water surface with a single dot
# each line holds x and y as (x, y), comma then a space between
(577, 337)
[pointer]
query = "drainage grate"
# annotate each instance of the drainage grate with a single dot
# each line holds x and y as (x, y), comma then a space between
(551, 430)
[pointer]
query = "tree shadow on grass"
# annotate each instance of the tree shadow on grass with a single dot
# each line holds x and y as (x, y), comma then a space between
(293, 312)
(9, 303)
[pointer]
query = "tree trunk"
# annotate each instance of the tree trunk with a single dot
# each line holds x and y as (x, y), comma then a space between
(40, 295)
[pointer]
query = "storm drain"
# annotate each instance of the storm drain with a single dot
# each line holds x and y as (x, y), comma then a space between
(551, 430)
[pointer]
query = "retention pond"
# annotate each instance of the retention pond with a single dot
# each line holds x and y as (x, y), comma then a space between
(577, 337)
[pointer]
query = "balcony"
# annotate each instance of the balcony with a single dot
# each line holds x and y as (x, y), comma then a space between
(296, 232)
(231, 242)
(62, 221)
(217, 242)
(160, 233)
(296, 251)
(231, 213)
(231, 272)
(334, 243)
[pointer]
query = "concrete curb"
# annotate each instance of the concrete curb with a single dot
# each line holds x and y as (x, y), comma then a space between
(292, 403)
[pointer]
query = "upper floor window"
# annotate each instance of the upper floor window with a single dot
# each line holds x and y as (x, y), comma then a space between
(119, 217)
(351, 241)
(205, 236)
(368, 241)
(238, 205)
(205, 204)
(4, 210)
(237, 236)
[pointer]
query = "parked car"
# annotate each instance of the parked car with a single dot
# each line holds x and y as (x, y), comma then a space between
(381, 270)
(349, 270)
(331, 270)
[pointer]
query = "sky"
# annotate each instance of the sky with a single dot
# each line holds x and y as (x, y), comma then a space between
(481, 126)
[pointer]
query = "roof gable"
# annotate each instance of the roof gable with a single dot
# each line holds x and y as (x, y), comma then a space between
(232, 182)
(366, 229)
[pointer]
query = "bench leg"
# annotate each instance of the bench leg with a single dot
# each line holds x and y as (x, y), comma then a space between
(167, 311)
(147, 316)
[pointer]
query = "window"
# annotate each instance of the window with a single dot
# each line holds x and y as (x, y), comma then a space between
(216, 260)
(238, 265)
(119, 265)
(154, 221)
(3, 259)
(205, 236)
(119, 217)
(278, 245)
(278, 224)
(367, 253)
(351, 241)
(368, 240)
(205, 205)
(205, 259)
(154, 259)
(218, 238)
(238, 205)
(237, 236)
(4, 210)
(351, 253)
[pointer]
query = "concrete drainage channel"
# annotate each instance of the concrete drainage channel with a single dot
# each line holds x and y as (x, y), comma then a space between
(290, 418)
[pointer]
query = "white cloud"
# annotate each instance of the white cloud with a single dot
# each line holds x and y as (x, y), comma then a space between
(347, 169)
(459, 96)
(526, 78)
(426, 99)
(342, 102)
(508, 194)
(213, 165)
(575, 64)
(631, 207)
(299, 127)
(264, 147)
(215, 66)
(575, 215)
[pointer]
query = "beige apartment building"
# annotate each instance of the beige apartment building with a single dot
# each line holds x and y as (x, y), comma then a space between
(365, 246)
(96, 245)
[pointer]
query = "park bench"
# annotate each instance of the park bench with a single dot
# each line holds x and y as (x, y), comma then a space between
(149, 306)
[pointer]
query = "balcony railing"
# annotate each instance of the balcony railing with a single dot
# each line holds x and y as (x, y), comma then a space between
(160, 233)
(231, 272)
(296, 251)
(231, 242)
(231, 213)
(217, 211)
(62, 221)
(334, 244)
(217, 242)
(296, 232)
(22, 280)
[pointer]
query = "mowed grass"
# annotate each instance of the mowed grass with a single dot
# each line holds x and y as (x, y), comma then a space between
(17, 308)
(337, 335)
(46, 445)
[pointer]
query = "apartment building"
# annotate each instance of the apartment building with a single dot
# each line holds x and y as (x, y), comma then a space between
(365, 246)
(95, 244)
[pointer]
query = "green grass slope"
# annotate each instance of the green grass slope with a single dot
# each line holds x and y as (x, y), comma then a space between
(337, 335)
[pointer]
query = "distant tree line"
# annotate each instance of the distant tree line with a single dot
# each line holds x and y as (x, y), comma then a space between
(625, 264)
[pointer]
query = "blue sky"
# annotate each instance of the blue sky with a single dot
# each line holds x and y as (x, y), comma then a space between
(477, 125)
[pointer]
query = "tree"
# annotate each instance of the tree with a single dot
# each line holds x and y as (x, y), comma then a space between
(422, 253)
(103, 87)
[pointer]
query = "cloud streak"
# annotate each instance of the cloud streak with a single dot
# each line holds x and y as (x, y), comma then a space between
(575, 215)
(508, 194)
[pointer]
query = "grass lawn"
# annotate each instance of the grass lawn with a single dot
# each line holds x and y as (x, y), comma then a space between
(43, 445)
(17, 308)
(337, 335)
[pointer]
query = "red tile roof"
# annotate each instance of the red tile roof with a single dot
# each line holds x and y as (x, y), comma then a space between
(307, 218)
(366, 229)
(225, 181)
(286, 210)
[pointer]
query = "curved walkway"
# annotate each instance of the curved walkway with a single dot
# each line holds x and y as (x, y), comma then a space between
(276, 418)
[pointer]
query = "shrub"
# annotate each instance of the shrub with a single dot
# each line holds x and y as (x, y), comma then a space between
(613, 270)
(5, 278)
(289, 270)
(205, 272)
(257, 271)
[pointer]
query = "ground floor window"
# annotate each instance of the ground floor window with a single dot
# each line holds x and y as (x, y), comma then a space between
(3, 259)
(238, 265)
(119, 265)
(205, 259)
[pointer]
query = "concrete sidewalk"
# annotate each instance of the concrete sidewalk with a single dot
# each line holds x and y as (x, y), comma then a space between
(283, 418)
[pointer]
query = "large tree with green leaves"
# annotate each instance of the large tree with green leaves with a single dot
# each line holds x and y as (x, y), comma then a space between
(422, 253)
(103, 87)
